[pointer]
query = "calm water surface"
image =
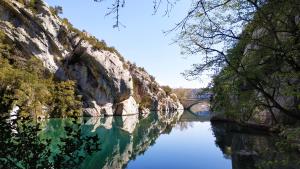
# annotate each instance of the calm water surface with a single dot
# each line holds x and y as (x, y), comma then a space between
(157, 141)
(161, 141)
(150, 143)
(189, 145)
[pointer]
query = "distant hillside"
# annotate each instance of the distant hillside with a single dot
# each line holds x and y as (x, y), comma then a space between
(187, 92)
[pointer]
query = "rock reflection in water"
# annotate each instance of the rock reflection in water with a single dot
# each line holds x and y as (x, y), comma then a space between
(121, 138)
(251, 149)
(128, 137)
(124, 139)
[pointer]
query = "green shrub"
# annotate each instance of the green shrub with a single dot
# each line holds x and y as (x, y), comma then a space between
(167, 89)
(56, 10)
(142, 69)
(31, 5)
(31, 90)
(152, 78)
(146, 102)
(65, 103)
(153, 87)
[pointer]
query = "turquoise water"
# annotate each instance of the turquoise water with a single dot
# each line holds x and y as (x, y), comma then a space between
(152, 143)
(162, 141)
(157, 141)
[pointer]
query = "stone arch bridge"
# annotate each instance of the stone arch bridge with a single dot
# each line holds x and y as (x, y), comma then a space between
(196, 110)
(188, 103)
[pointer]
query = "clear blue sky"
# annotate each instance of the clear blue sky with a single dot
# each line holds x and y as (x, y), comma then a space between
(142, 40)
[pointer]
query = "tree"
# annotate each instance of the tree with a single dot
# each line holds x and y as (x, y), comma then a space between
(65, 103)
(56, 10)
(264, 35)
(256, 40)
(117, 5)
(167, 89)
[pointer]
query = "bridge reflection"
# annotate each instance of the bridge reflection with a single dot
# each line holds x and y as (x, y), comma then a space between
(189, 116)
(188, 103)
(196, 110)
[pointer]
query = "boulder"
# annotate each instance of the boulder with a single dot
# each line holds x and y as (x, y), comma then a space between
(107, 110)
(127, 107)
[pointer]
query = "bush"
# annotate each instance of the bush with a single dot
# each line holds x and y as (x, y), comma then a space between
(56, 10)
(146, 102)
(31, 5)
(31, 91)
(152, 78)
(153, 87)
(65, 104)
(167, 89)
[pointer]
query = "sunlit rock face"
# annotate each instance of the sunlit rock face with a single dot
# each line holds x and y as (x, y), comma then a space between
(127, 107)
(102, 76)
(35, 34)
(145, 86)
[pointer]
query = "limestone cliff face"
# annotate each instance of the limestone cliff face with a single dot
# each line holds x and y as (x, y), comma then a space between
(148, 92)
(104, 79)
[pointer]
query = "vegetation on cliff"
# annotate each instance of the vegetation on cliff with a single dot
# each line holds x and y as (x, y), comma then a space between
(99, 73)
(262, 70)
(26, 84)
(33, 5)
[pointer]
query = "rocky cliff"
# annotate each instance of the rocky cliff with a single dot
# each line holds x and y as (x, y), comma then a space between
(109, 85)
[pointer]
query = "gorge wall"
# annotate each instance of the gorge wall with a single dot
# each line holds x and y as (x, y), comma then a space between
(108, 84)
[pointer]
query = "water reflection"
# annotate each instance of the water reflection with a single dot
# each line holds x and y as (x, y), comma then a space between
(25, 145)
(121, 138)
(159, 140)
(190, 144)
(250, 149)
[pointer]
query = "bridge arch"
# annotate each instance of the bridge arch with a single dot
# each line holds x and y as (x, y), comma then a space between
(189, 103)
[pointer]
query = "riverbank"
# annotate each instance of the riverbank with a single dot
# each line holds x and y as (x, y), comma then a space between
(254, 126)
(289, 134)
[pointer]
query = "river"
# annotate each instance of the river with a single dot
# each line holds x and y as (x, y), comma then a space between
(188, 145)
(191, 142)
(157, 141)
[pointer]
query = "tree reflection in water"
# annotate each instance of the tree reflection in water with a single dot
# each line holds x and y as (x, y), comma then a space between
(75, 143)
(22, 146)
(250, 149)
